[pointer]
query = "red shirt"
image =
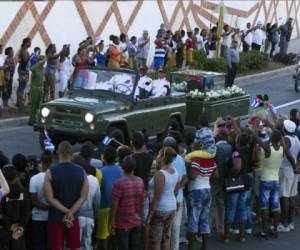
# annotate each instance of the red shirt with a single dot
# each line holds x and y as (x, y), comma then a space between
(129, 192)
(189, 44)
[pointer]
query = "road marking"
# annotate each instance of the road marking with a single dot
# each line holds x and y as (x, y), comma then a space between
(287, 104)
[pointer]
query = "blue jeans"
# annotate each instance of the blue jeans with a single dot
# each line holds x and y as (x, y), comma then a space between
(248, 205)
(158, 62)
(269, 195)
(198, 211)
(235, 207)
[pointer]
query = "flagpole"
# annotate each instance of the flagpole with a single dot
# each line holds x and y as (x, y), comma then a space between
(220, 29)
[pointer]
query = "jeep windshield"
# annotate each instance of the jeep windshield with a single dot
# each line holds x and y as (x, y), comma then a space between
(120, 82)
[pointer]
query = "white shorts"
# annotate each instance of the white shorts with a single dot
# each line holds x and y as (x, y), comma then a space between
(288, 182)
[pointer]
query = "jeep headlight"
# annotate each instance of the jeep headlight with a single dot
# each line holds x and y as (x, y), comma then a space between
(45, 112)
(89, 117)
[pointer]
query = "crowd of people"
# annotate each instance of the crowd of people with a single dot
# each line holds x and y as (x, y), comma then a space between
(146, 196)
(171, 49)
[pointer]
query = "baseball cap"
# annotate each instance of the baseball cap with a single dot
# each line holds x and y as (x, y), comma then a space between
(169, 141)
(289, 126)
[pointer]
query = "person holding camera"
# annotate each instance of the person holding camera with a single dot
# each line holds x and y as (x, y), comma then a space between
(50, 72)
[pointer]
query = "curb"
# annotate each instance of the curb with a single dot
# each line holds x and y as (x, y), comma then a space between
(14, 122)
(249, 79)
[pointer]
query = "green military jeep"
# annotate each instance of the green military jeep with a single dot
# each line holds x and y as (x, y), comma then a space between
(103, 102)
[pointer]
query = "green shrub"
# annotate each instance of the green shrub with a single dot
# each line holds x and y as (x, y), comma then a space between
(252, 60)
(200, 59)
(216, 64)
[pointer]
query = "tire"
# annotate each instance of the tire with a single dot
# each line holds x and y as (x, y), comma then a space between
(175, 125)
(118, 134)
(297, 85)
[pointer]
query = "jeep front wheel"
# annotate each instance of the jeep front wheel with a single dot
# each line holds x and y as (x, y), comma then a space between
(117, 134)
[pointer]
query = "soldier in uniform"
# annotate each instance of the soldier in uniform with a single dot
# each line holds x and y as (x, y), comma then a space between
(144, 87)
(36, 89)
(161, 86)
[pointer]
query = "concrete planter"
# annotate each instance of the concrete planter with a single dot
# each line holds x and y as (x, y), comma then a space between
(235, 106)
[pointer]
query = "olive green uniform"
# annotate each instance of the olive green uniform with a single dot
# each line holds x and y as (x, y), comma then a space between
(36, 90)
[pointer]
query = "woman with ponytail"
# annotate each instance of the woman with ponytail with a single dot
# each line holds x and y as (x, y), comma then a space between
(163, 205)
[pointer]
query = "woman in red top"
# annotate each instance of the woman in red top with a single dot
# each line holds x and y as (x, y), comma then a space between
(82, 59)
(189, 48)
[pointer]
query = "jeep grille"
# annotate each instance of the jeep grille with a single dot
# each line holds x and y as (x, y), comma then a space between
(68, 117)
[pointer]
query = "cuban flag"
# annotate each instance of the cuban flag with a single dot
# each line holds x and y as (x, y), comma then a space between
(255, 103)
(48, 145)
(107, 140)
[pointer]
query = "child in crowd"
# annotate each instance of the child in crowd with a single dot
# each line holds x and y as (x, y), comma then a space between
(100, 55)
(159, 54)
(111, 173)
(132, 52)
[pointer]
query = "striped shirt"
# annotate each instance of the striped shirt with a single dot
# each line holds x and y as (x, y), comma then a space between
(129, 193)
(202, 166)
(159, 52)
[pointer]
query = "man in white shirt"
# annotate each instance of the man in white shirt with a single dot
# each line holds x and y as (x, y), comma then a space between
(143, 48)
(247, 38)
(258, 37)
(145, 85)
(89, 210)
(199, 39)
(225, 40)
(161, 86)
(40, 206)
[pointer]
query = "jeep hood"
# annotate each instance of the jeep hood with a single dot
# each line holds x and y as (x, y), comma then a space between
(93, 104)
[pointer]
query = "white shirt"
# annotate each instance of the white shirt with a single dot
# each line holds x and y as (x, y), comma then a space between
(66, 67)
(225, 40)
(200, 182)
(36, 185)
(143, 51)
(159, 87)
(2, 60)
(248, 38)
(92, 202)
(200, 42)
(258, 37)
(145, 83)
(122, 47)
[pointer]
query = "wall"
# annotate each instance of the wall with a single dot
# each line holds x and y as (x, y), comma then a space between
(63, 22)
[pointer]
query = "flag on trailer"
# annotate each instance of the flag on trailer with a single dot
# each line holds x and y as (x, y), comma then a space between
(255, 103)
